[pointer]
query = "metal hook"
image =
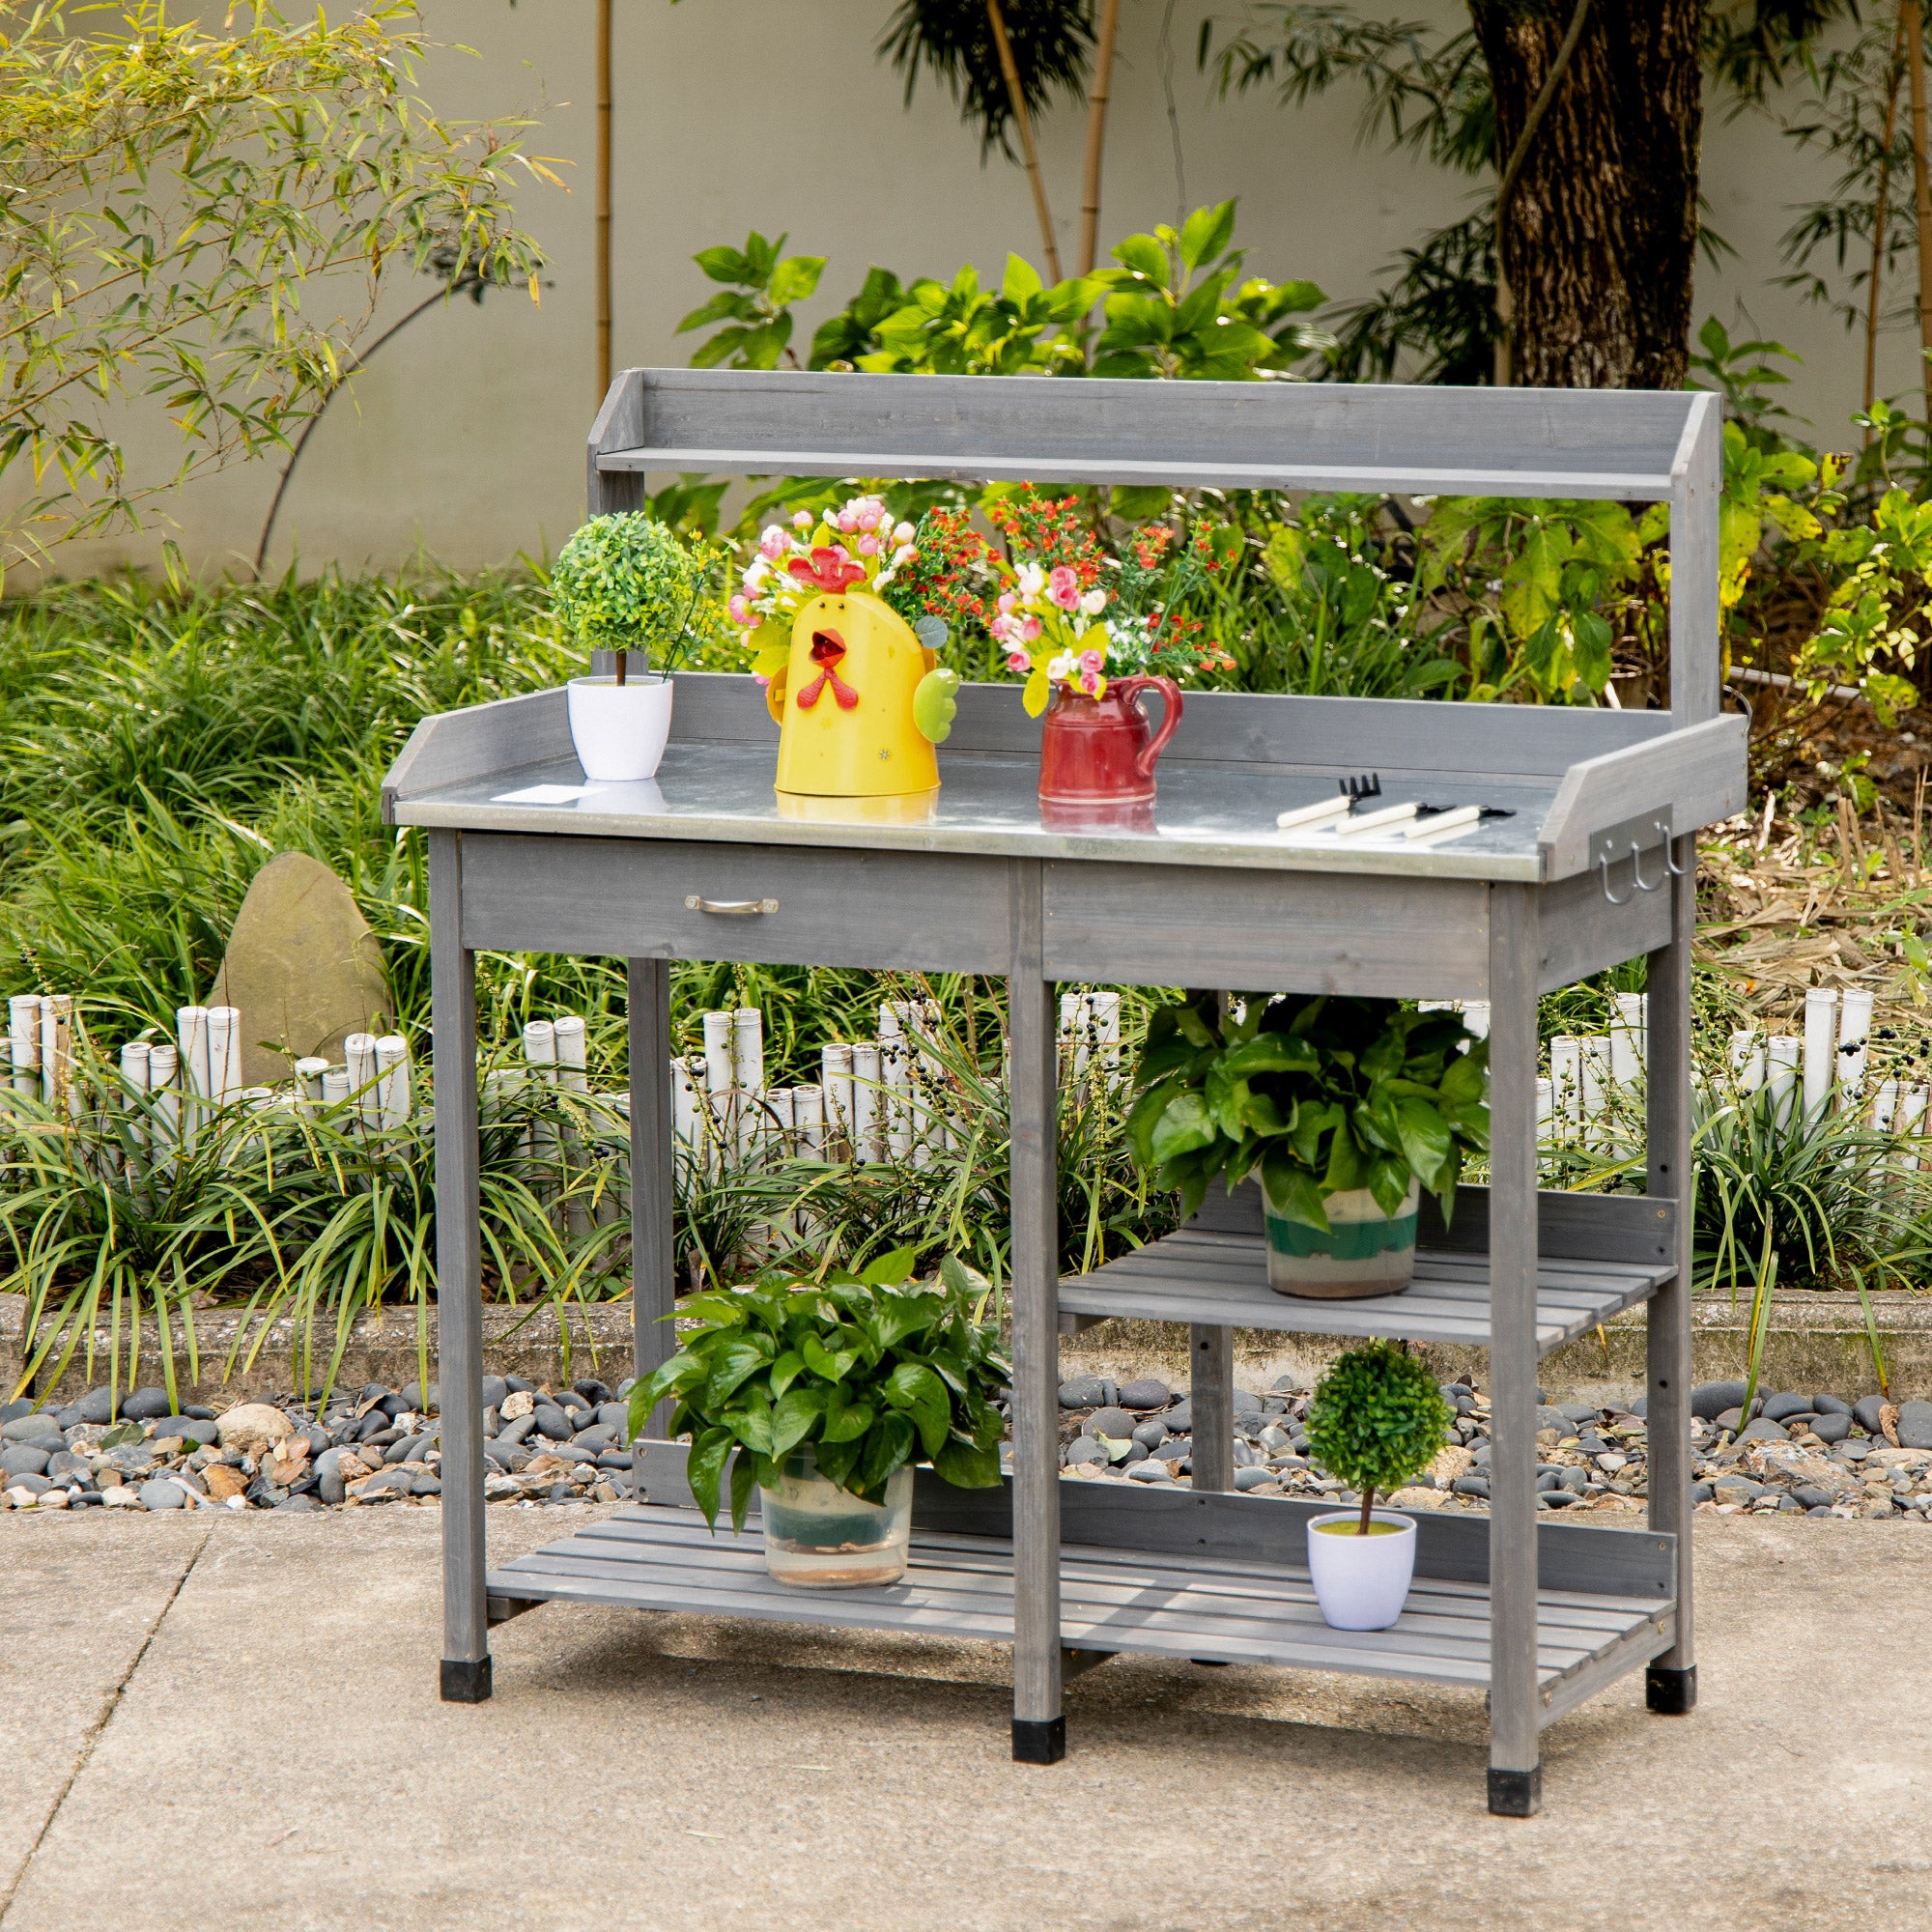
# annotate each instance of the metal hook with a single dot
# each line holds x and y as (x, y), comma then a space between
(1603, 867)
(1677, 871)
(1637, 872)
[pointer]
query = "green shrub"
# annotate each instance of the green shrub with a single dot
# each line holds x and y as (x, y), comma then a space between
(625, 582)
(1377, 1420)
(866, 1371)
(1321, 1094)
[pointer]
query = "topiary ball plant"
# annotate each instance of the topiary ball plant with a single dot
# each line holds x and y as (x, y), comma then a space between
(1377, 1420)
(625, 582)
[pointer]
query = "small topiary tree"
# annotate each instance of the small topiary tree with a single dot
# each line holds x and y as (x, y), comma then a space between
(1377, 1419)
(626, 582)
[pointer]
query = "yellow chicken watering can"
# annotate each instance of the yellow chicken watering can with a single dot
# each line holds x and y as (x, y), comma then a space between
(860, 702)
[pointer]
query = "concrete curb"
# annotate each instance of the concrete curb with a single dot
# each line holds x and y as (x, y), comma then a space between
(1815, 1341)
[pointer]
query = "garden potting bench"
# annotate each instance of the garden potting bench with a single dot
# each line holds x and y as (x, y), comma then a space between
(1592, 862)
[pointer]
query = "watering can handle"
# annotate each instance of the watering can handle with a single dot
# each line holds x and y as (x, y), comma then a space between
(1169, 724)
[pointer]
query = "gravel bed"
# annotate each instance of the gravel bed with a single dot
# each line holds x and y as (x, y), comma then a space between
(1797, 1453)
(377, 1446)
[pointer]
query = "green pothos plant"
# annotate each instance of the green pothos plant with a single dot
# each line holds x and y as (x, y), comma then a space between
(1315, 1096)
(867, 1372)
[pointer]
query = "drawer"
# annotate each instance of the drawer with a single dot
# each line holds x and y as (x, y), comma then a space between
(1306, 932)
(645, 898)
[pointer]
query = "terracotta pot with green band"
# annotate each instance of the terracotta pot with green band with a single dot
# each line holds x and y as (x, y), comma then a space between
(1364, 1252)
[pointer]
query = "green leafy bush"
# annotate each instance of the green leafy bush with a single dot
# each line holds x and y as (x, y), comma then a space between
(1377, 1419)
(867, 1371)
(1321, 1094)
(626, 582)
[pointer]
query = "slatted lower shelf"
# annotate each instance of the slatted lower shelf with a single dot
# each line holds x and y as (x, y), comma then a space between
(1219, 1608)
(1203, 1275)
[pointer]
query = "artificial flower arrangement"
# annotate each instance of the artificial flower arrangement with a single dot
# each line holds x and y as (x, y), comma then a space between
(855, 547)
(1060, 623)
(858, 695)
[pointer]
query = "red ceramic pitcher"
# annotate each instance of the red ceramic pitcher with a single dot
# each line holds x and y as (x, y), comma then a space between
(1102, 750)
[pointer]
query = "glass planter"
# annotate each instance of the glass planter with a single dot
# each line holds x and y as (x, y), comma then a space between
(820, 1537)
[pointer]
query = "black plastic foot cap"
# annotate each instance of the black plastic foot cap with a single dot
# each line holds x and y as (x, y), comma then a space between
(465, 1682)
(1039, 1740)
(1670, 1691)
(1516, 1794)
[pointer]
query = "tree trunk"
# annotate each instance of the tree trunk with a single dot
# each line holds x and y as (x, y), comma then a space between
(1601, 241)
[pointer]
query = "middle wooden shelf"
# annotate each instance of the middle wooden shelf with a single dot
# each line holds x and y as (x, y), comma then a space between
(1220, 1280)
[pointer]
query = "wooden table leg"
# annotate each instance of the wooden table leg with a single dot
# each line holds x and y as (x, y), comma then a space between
(1516, 1771)
(1210, 1398)
(653, 1264)
(1670, 1683)
(459, 1308)
(1040, 1727)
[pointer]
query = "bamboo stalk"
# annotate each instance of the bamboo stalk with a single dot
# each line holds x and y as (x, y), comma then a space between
(1880, 210)
(1910, 25)
(1098, 98)
(604, 207)
(1023, 120)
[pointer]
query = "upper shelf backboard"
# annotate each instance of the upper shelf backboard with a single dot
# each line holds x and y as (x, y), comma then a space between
(1418, 441)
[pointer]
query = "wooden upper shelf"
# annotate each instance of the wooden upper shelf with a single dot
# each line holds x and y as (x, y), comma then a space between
(1416, 441)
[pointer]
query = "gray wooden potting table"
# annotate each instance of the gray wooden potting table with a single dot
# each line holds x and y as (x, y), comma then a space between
(1593, 864)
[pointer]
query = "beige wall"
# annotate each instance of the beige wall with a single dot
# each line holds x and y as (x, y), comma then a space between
(466, 436)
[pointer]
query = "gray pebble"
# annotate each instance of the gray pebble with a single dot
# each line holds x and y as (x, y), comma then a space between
(1253, 1479)
(163, 1494)
(1117, 1423)
(1831, 1425)
(1865, 1412)
(1811, 1496)
(616, 1417)
(1145, 1392)
(1151, 1473)
(31, 1428)
(515, 1432)
(1787, 1408)
(1082, 1392)
(1915, 1425)
(23, 1458)
(1709, 1400)
(97, 1406)
(1471, 1486)
(1150, 1435)
(1762, 1431)
(426, 1485)
(26, 1480)
(1830, 1405)
(146, 1404)
(495, 1392)
(553, 1422)
(615, 1459)
(1180, 1417)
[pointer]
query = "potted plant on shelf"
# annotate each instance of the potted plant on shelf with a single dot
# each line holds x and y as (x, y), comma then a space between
(1091, 648)
(1344, 1109)
(1377, 1419)
(624, 582)
(857, 693)
(822, 1395)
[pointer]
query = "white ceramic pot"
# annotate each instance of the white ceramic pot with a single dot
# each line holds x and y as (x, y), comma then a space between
(1361, 1581)
(619, 729)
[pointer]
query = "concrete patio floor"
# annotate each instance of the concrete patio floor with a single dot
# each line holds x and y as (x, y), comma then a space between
(234, 1722)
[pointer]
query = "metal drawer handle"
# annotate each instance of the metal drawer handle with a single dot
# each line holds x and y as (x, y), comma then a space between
(733, 908)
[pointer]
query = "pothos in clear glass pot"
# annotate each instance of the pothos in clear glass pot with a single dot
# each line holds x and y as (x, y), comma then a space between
(821, 1396)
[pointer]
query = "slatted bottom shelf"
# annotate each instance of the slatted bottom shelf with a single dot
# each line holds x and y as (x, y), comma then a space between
(1202, 1275)
(1218, 1609)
